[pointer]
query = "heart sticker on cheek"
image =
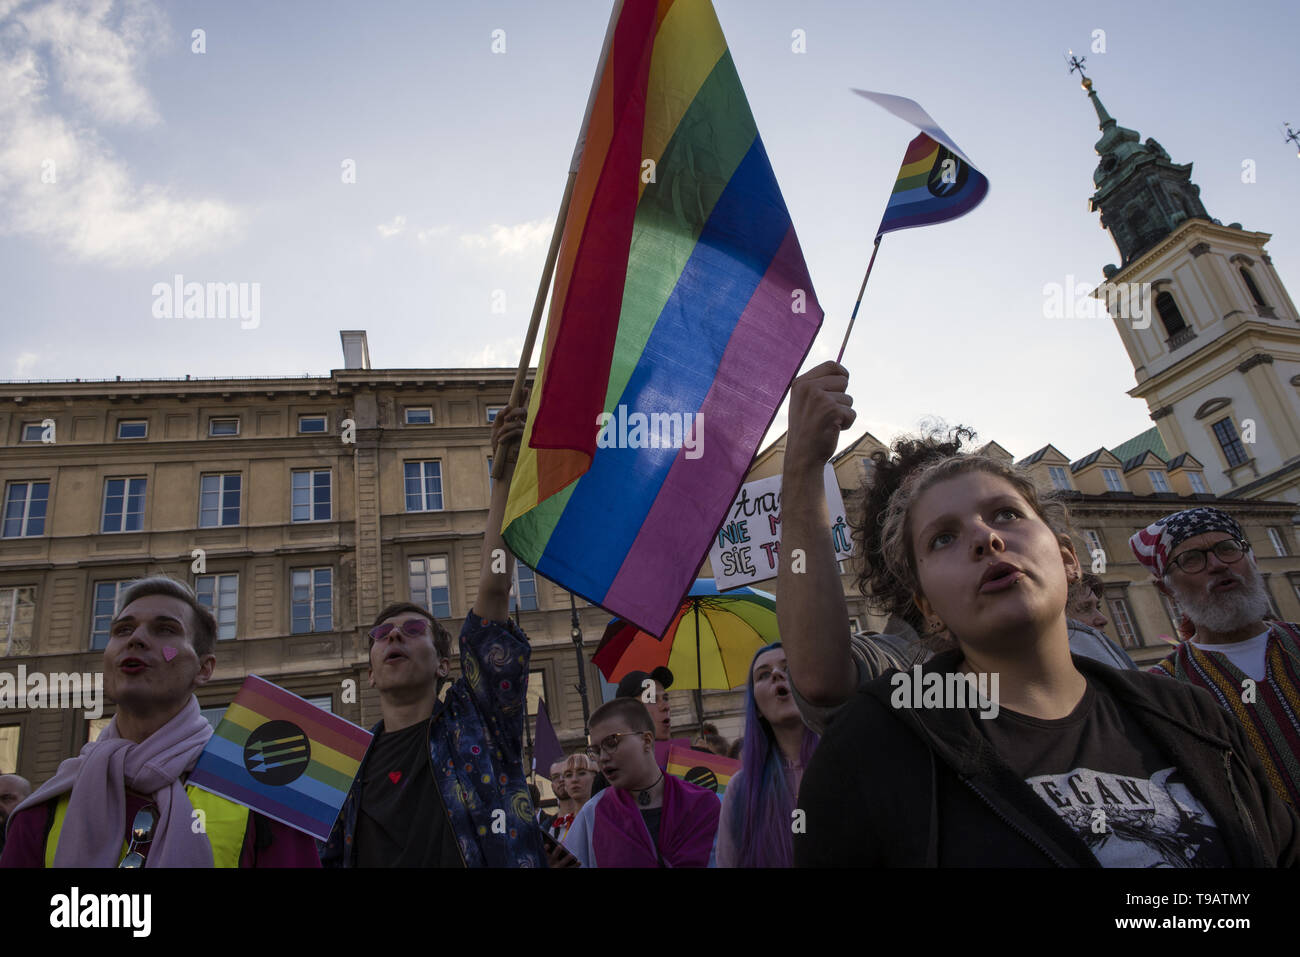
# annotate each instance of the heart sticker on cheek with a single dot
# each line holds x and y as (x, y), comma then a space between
(169, 652)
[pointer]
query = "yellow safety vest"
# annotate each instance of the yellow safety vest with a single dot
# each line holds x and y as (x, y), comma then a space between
(224, 822)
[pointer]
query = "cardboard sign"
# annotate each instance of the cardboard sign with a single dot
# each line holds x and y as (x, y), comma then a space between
(747, 547)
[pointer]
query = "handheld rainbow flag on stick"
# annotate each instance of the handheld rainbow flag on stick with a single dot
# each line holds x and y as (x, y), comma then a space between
(937, 182)
(681, 300)
(283, 757)
(708, 770)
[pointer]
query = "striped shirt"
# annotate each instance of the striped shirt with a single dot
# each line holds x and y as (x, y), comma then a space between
(1268, 709)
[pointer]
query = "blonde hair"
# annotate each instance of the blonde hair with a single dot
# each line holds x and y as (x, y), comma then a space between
(580, 762)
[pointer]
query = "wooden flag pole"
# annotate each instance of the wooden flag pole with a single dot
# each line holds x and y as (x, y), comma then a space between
(875, 249)
(548, 270)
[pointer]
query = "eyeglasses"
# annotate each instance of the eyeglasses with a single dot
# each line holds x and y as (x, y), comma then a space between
(1194, 560)
(609, 744)
(141, 833)
(411, 628)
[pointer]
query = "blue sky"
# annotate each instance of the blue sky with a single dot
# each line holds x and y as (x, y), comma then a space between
(225, 166)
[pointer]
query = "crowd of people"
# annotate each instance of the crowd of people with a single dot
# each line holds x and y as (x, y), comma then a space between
(1085, 761)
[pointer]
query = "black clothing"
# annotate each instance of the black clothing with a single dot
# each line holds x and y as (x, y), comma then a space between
(917, 787)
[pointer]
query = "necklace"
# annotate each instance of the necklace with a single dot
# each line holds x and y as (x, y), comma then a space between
(643, 794)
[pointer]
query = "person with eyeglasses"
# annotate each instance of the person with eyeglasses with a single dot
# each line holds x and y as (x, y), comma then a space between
(1201, 559)
(124, 800)
(645, 818)
(443, 783)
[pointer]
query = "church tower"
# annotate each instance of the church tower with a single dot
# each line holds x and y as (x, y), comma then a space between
(1216, 350)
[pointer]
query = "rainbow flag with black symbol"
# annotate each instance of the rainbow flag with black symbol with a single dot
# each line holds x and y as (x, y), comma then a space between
(704, 768)
(283, 757)
(680, 312)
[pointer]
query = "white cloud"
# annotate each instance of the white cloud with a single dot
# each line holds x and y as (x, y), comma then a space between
(511, 240)
(389, 230)
(23, 364)
(432, 233)
(59, 180)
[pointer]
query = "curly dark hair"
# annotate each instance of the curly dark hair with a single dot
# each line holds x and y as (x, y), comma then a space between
(877, 582)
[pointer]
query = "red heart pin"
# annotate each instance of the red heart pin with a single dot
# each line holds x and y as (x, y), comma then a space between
(394, 776)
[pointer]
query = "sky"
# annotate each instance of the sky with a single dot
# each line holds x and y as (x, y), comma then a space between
(133, 150)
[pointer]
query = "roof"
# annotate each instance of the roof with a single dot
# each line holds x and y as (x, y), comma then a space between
(1185, 459)
(1087, 460)
(1148, 441)
(1131, 463)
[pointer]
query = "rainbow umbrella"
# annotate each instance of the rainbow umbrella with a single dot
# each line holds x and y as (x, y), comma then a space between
(709, 644)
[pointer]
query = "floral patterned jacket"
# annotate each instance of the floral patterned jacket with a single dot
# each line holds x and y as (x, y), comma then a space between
(476, 747)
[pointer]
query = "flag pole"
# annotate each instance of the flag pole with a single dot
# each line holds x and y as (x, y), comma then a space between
(875, 249)
(548, 270)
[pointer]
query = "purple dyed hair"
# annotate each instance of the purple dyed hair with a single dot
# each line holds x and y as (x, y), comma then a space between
(762, 831)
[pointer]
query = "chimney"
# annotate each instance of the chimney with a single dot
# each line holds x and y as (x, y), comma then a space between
(356, 353)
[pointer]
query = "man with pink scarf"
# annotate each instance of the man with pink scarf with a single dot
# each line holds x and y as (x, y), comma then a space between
(123, 800)
(645, 818)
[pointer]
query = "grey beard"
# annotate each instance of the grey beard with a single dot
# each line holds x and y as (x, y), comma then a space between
(1228, 612)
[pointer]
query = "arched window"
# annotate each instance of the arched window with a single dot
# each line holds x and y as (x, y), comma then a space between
(1169, 314)
(1250, 284)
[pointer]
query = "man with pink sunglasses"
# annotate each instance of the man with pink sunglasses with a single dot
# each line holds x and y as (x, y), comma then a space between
(443, 784)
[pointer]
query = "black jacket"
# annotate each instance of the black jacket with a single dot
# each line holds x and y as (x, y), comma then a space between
(896, 787)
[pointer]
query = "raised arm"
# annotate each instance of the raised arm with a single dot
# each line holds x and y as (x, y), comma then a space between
(496, 570)
(810, 608)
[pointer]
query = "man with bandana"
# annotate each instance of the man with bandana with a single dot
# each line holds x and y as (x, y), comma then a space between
(1201, 559)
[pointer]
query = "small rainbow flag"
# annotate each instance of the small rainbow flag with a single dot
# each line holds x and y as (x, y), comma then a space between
(681, 310)
(934, 184)
(283, 757)
(704, 768)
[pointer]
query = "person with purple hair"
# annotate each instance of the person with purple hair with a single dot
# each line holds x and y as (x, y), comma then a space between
(756, 825)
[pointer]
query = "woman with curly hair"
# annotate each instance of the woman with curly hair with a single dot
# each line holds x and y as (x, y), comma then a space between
(1055, 760)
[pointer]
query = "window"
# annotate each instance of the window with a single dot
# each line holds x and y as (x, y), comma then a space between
(325, 702)
(311, 495)
(96, 725)
(1123, 619)
(9, 736)
(17, 612)
(1158, 481)
(123, 505)
(25, 504)
(537, 692)
(431, 585)
(1233, 450)
(220, 595)
(490, 479)
(213, 714)
(1198, 483)
(311, 423)
(419, 416)
(313, 600)
(132, 429)
(855, 625)
(1251, 287)
(524, 595)
(1113, 481)
(1169, 313)
(1171, 610)
(1278, 538)
(424, 486)
(492, 411)
(223, 427)
(32, 431)
(1095, 544)
(106, 595)
(1059, 479)
(219, 500)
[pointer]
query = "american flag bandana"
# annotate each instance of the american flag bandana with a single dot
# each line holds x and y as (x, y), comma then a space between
(1153, 544)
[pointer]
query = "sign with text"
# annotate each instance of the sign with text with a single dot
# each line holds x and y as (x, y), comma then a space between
(747, 547)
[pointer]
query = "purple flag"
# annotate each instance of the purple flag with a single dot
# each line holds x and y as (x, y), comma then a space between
(546, 743)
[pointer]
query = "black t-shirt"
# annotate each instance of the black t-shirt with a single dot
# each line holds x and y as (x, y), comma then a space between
(1106, 779)
(402, 821)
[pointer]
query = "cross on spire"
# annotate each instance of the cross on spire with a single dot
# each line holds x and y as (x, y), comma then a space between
(1076, 63)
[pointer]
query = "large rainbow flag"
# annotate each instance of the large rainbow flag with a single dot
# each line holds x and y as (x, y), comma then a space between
(680, 291)
(283, 757)
(934, 184)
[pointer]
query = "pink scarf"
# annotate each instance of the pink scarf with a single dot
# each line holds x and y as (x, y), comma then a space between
(97, 778)
(687, 824)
